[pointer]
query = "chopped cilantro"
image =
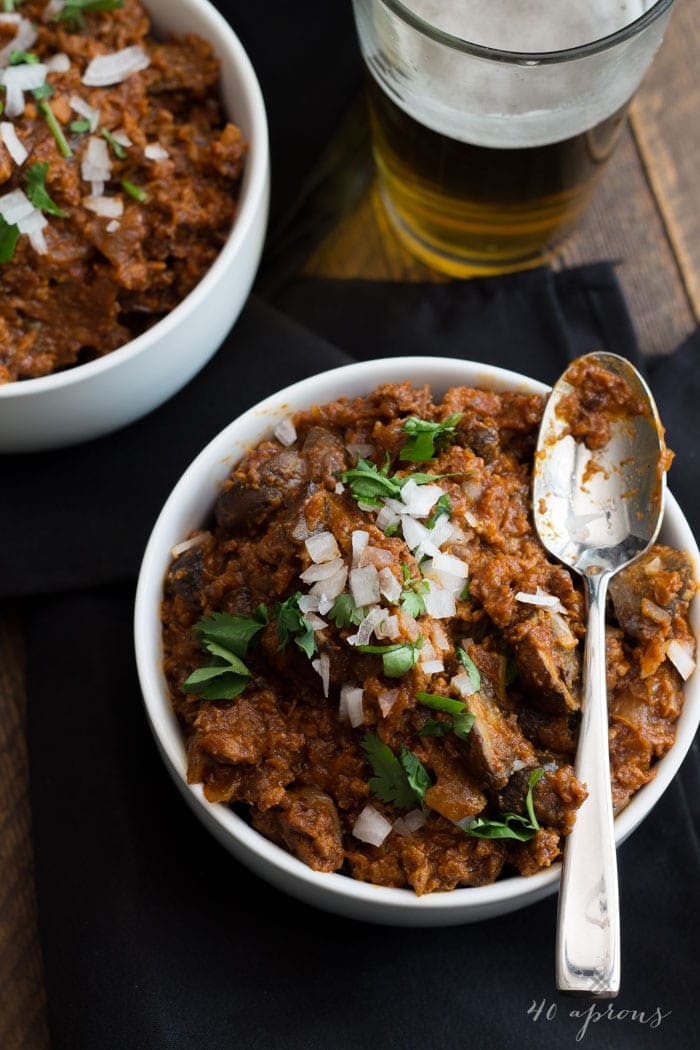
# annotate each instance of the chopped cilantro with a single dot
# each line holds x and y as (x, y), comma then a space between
(398, 658)
(9, 6)
(226, 638)
(55, 128)
(43, 91)
(74, 11)
(443, 506)
(466, 593)
(119, 150)
(426, 438)
(462, 724)
(9, 235)
(35, 177)
(510, 825)
(21, 58)
(345, 612)
(412, 601)
(403, 781)
(461, 720)
(79, 125)
(391, 530)
(291, 625)
(435, 728)
(370, 483)
(134, 191)
(440, 703)
(471, 668)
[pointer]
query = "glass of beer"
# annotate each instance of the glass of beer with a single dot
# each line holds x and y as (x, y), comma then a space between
(492, 119)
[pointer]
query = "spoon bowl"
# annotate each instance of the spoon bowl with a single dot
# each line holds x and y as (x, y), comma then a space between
(598, 496)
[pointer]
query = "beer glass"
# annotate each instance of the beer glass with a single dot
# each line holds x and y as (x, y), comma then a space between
(492, 119)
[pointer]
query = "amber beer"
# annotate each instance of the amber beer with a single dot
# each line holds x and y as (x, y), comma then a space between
(492, 119)
(468, 208)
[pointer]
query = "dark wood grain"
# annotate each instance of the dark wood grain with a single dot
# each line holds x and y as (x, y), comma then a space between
(645, 215)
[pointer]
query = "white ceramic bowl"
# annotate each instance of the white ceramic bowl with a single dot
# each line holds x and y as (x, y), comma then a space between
(100, 396)
(187, 508)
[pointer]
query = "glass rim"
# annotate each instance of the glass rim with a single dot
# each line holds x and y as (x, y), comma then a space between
(494, 54)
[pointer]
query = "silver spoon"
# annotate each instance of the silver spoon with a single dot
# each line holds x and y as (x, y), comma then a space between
(596, 511)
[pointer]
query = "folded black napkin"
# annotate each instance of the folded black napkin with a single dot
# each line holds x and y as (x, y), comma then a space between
(153, 936)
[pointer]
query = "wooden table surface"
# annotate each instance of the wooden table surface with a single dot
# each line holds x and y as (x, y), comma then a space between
(646, 214)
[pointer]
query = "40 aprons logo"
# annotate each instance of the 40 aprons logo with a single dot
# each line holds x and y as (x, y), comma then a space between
(595, 1013)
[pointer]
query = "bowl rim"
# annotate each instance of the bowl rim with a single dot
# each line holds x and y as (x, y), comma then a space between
(253, 192)
(222, 452)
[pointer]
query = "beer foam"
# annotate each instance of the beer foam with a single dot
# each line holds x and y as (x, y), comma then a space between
(508, 105)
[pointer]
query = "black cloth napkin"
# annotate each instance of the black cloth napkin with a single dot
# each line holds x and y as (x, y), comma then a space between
(153, 936)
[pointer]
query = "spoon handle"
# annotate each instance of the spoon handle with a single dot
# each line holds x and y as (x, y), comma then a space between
(588, 923)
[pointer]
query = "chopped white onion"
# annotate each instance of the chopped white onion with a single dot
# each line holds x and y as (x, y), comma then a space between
(12, 143)
(366, 628)
(121, 137)
(653, 566)
(106, 207)
(309, 603)
(464, 823)
(96, 165)
(413, 532)
(15, 206)
(322, 572)
(376, 556)
(154, 151)
(53, 8)
(369, 508)
(463, 684)
(360, 451)
(386, 700)
(410, 626)
(116, 67)
(17, 80)
(442, 531)
(339, 488)
(322, 547)
(371, 826)
(23, 39)
(681, 656)
(351, 705)
(34, 225)
(540, 598)
(329, 589)
(59, 63)
(323, 667)
(432, 666)
(449, 564)
(397, 505)
(389, 586)
(410, 823)
(440, 603)
(113, 225)
(80, 106)
(388, 627)
(386, 518)
(561, 629)
(420, 499)
(364, 585)
(324, 604)
(470, 519)
(186, 545)
(360, 539)
(440, 640)
(316, 623)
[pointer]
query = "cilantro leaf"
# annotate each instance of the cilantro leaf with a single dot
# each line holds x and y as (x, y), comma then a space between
(9, 6)
(416, 774)
(398, 658)
(462, 721)
(134, 191)
(9, 235)
(227, 639)
(54, 127)
(119, 151)
(345, 612)
(435, 728)
(35, 177)
(462, 724)
(371, 484)
(390, 782)
(412, 601)
(471, 668)
(425, 437)
(21, 58)
(511, 825)
(79, 125)
(443, 506)
(233, 633)
(440, 703)
(74, 11)
(291, 625)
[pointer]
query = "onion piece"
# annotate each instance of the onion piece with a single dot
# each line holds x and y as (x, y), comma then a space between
(360, 539)
(681, 656)
(442, 531)
(351, 705)
(285, 432)
(364, 585)
(389, 586)
(106, 207)
(113, 225)
(54, 7)
(653, 566)
(115, 67)
(13, 144)
(23, 39)
(449, 564)
(154, 151)
(15, 206)
(371, 826)
(464, 685)
(432, 666)
(322, 547)
(541, 599)
(121, 137)
(366, 628)
(386, 518)
(388, 627)
(339, 488)
(360, 450)
(96, 165)
(420, 499)
(386, 700)
(34, 225)
(186, 545)
(309, 603)
(322, 666)
(316, 623)
(315, 573)
(440, 603)
(17, 80)
(330, 588)
(59, 63)
(80, 106)
(413, 532)
(376, 556)
(411, 822)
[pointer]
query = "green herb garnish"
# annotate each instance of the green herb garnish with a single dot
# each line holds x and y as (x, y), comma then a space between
(345, 612)
(443, 506)
(402, 781)
(398, 658)
(466, 593)
(412, 601)
(510, 825)
(9, 235)
(55, 128)
(434, 728)
(426, 438)
(370, 483)
(9, 6)
(471, 669)
(440, 703)
(226, 638)
(461, 720)
(35, 177)
(22, 58)
(80, 125)
(292, 626)
(134, 191)
(119, 150)
(43, 91)
(75, 10)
